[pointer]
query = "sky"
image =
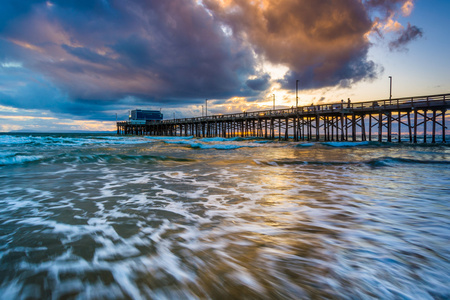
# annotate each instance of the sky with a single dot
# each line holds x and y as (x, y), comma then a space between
(79, 64)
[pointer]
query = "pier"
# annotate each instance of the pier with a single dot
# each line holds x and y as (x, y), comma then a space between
(409, 119)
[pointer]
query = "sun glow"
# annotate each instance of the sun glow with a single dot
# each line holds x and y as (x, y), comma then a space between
(88, 125)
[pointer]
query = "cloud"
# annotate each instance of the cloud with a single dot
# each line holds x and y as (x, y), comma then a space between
(407, 8)
(260, 83)
(392, 26)
(386, 21)
(88, 57)
(386, 12)
(405, 37)
(387, 8)
(322, 42)
(106, 50)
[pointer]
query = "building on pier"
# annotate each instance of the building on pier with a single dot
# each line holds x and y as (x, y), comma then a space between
(410, 119)
(145, 115)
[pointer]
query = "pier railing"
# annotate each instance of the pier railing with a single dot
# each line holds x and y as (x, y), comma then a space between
(345, 106)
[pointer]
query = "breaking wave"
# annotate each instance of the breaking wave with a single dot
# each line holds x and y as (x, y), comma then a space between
(211, 143)
(347, 144)
(55, 140)
(376, 162)
(17, 158)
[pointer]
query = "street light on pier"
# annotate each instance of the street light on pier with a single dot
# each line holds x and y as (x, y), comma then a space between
(296, 94)
(206, 110)
(273, 101)
(390, 87)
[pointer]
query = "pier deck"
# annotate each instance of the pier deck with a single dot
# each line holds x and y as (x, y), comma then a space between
(408, 119)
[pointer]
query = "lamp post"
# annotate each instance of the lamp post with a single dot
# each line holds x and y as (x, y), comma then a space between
(273, 101)
(206, 110)
(296, 94)
(202, 110)
(390, 87)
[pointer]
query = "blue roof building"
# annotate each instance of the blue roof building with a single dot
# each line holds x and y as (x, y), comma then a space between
(146, 115)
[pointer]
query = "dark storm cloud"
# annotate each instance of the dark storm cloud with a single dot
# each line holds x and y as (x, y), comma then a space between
(385, 7)
(260, 83)
(322, 42)
(93, 54)
(404, 37)
(106, 50)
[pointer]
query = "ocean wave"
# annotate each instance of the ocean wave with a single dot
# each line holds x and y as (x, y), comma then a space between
(70, 158)
(64, 141)
(215, 139)
(179, 142)
(49, 140)
(117, 159)
(17, 159)
(263, 141)
(217, 146)
(230, 139)
(391, 161)
(15, 140)
(375, 162)
(305, 145)
(169, 137)
(384, 144)
(347, 144)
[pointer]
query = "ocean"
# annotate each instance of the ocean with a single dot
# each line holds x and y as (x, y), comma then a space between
(91, 216)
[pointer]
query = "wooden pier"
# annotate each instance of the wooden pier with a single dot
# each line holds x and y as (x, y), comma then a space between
(410, 119)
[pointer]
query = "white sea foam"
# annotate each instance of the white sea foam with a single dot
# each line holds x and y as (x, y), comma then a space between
(112, 141)
(176, 175)
(6, 154)
(166, 192)
(14, 140)
(67, 141)
(140, 179)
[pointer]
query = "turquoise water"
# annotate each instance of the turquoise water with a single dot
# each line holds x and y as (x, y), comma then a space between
(103, 216)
